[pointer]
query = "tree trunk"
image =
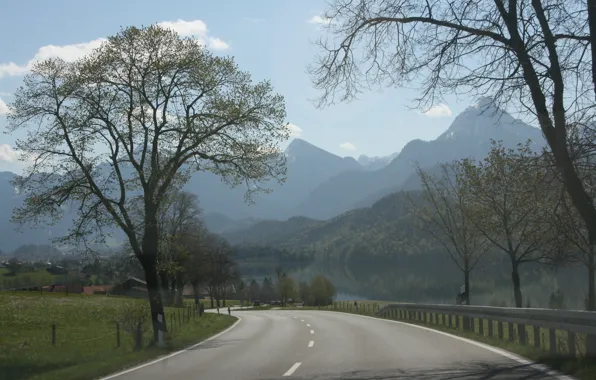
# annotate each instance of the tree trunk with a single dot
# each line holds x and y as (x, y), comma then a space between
(179, 295)
(591, 305)
(467, 271)
(468, 322)
(149, 265)
(517, 294)
(148, 260)
(195, 288)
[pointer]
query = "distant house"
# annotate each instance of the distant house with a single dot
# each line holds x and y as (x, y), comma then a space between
(188, 292)
(131, 287)
(71, 288)
(97, 289)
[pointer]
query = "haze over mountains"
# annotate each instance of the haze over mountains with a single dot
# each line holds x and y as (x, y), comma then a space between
(321, 185)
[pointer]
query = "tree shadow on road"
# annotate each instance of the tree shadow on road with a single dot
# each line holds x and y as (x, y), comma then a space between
(456, 371)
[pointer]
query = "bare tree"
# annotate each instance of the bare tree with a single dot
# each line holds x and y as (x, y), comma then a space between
(220, 267)
(444, 210)
(181, 229)
(133, 120)
(508, 190)
(538, 55)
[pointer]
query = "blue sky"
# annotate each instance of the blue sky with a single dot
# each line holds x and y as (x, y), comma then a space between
(270, 38)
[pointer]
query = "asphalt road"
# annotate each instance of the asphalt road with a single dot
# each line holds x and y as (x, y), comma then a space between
(322, 345)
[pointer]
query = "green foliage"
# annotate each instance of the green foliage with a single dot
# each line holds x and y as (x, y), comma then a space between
(286, 288)
(322, 291)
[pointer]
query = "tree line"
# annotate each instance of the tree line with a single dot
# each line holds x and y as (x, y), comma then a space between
(511, 203)
(320, 291)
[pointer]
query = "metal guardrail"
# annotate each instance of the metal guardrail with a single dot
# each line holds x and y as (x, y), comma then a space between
(573, 322)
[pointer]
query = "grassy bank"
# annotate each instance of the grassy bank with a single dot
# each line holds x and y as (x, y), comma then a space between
(86, 339)
(578, 367)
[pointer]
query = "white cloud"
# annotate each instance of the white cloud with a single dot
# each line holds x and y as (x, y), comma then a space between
(218, 44)
(196, 29)
(5, 94)
(320, 20)
(440, 110)
(3, 108)
(8, 154)
(295, 131)
(347, 146)
(72, 52)
(186, 28)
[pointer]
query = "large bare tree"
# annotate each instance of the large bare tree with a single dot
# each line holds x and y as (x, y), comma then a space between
(132, 121)
(535, 54)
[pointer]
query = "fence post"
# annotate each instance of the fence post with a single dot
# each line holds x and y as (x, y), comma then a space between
(117, 334)
(53, 334)
(139, 335)
(179, 319)
(537, 336)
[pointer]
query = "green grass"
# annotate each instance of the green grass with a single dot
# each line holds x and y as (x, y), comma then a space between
(37, 278)
(86, 343)
(578, 367)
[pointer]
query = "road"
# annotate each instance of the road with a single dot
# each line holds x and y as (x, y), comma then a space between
(323, 345)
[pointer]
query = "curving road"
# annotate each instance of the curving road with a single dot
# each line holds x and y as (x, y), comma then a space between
(322, 345)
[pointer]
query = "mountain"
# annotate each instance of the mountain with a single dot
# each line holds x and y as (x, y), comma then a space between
(307, 167)
(224, 208)
(468, 136)
(319, 185)
(375, 163)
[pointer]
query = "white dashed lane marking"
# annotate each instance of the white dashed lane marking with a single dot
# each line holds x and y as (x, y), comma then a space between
(311, 343)
(312, 331)
(292, 369)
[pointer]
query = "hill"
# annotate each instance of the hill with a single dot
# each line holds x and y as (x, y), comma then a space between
(468, 136)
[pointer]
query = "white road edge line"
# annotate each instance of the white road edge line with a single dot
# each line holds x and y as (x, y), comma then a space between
(311, 343)
(172, 354)
(312, 331)
(520, 359)
(292, 369)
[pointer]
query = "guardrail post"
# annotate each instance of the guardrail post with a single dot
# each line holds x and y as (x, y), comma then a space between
(552, 341)
(490, 328)
(511, 332)
(571, 343)
(457, 322)
(537, 336)
(500, 328)
(521, 329)
(480, 326)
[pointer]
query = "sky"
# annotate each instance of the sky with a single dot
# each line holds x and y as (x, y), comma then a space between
(272, 39)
